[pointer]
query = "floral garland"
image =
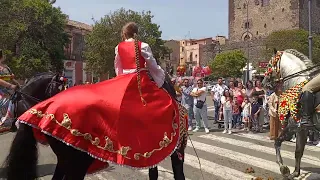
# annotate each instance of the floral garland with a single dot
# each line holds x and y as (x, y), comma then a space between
(273, 64)
(288, 102)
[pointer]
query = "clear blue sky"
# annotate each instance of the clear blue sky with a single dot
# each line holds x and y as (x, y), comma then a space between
(178, 19)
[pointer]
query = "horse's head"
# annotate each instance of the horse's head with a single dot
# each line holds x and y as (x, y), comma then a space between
(272, 76)
(38, 88)
(56, 85)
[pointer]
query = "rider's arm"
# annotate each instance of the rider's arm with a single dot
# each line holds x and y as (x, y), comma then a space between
(117, 63)
(5, 84)
(155, 70)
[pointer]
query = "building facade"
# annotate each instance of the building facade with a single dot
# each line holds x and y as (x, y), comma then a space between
(267, 16)
(74, 64)
(171, 61)
(198, 52)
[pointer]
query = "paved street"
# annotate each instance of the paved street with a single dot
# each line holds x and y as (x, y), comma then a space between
(221, 156)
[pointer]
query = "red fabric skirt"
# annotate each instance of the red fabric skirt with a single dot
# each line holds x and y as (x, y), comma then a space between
(109, 121)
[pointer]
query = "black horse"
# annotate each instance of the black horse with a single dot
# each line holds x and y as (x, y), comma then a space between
(72, 164)
(38, 88)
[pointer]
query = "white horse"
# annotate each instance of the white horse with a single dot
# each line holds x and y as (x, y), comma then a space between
(291, 67)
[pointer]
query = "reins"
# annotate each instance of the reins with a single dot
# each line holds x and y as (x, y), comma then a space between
(298, 73)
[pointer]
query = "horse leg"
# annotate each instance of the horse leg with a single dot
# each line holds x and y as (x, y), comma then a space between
(59, 171)
(78, 165)
(72, 163)
(286, 134)
(177, 166)
(300, 145)
(153, 173)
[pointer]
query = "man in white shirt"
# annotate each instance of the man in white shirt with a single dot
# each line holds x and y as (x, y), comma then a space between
(216, 94)
(199, 94)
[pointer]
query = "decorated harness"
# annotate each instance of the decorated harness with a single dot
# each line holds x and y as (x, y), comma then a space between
(289, 99)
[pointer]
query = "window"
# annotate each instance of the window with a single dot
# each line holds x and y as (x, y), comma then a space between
(257, 32)
(246, 38)
(246, 25)
(272, 18)
(265, 25)
(244, 5)
(265, 2)
(282, 9)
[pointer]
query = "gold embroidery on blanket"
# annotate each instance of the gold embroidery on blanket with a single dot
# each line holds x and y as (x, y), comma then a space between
(66, 123)
(166, 140)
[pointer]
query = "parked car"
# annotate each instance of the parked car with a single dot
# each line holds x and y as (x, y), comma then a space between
(209, 84)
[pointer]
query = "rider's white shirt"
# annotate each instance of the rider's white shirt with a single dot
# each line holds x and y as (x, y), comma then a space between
(154, 69)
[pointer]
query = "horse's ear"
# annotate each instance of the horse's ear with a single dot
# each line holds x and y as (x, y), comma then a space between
(275, 51)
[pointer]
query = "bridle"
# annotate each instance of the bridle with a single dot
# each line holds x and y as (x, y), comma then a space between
(19, 96)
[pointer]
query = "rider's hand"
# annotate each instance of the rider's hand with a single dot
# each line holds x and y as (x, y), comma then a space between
(13, 87)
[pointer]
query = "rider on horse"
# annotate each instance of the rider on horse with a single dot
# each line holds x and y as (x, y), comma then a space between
(6, 80)
(308, 100)
(129, 120)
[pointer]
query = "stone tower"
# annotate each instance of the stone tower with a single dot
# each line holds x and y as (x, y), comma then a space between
(266, 16)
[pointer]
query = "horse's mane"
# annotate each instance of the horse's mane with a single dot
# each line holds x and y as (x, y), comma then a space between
(301, 56)
(35, 79)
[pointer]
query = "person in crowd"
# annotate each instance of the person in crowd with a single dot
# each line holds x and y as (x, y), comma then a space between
(261, 94)
(249, 90)
(176, 86)
(246, 113)
(226, 101)
(187, 100)
(235, 81)
(216, 94)
(273, 103)
(255, 111)
(232, 88)
(266, 116)
(235, 113)
(200, 106)
(7, 82)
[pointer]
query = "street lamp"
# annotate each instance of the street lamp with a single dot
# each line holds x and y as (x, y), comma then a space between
(310, 31)
(247, 37)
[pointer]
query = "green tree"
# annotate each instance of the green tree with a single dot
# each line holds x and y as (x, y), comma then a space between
(32, 35)
(293, 39)
(228, 64)
(106, 34)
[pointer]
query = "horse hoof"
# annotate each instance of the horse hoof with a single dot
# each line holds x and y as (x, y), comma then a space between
(285, 171)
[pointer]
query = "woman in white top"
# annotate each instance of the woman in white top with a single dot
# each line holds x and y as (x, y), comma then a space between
(199, 94)
(226, 102)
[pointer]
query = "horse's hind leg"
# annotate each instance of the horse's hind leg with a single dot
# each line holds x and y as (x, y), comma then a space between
(59, 171)
(78, 165)
(300, 145)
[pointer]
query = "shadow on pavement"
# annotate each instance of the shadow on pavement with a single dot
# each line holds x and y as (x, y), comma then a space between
(43, 170)
(312, 169)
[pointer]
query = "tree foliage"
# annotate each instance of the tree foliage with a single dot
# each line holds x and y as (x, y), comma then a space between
(106, 35)
(228, 64)
(293, 39)
(32, 35)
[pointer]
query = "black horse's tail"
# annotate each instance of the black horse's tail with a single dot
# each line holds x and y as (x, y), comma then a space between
(22, 160)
